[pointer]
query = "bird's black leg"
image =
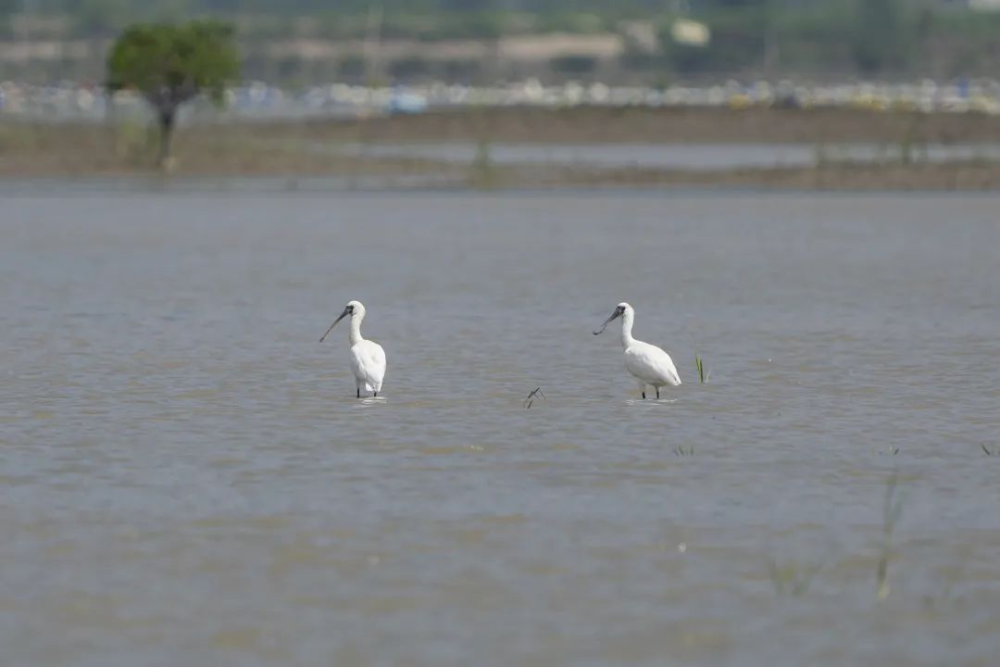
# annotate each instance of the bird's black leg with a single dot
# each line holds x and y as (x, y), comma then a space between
(657, 393)
(359, 392)
(375, 394)
(644, 394)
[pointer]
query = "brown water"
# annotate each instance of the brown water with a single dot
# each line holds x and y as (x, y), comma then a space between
(186, 478)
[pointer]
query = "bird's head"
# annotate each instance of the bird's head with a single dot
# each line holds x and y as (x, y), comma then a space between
(620, 310)
(353, 308)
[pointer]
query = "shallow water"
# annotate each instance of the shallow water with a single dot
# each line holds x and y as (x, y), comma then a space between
(187, 479)
(694, 156)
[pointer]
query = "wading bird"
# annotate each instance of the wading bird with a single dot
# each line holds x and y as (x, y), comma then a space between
(647, 363)
(367, 358)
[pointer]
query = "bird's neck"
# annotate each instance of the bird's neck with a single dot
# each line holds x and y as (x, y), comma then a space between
(627, 339)
(356, 330)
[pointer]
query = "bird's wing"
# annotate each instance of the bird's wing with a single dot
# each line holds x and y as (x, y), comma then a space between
(368, 363)
(651, 364)
(666, 368)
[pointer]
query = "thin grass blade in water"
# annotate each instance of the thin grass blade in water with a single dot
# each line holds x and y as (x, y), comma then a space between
(892, 508)
(700, 365)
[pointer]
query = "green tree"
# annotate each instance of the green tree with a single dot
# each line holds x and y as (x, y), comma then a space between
(171, 64)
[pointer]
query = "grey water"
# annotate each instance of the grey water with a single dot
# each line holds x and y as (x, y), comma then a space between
(693, 156)
(187, 478)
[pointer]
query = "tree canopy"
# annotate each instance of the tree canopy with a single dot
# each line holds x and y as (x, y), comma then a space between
(170, 64)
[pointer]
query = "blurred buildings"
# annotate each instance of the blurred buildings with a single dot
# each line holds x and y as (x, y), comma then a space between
(632, 42)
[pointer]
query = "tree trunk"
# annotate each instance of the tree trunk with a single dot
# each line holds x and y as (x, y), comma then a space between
(167, 118)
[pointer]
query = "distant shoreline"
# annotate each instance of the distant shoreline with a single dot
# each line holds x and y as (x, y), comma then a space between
(314, 148)
(642, 124)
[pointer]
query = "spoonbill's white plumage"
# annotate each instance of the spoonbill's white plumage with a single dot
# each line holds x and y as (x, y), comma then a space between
(649, 364)
(367, 358)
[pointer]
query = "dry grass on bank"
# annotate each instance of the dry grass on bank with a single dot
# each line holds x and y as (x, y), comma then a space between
(315, 148)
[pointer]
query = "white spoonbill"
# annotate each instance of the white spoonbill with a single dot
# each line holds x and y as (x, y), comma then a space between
(647, 363)
(367, 358)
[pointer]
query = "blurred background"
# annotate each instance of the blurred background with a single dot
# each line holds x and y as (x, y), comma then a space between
(653, 42)
(293, 51)
(495, 92)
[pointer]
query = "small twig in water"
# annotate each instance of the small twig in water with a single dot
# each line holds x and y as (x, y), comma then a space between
(890, 451)
(891, 509)
(680, 451)
(537, 391)
(988, 451)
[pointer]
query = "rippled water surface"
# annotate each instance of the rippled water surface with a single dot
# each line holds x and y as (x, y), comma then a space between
(186, 477)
